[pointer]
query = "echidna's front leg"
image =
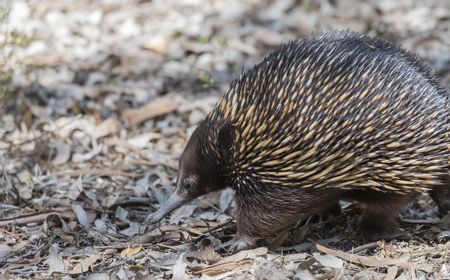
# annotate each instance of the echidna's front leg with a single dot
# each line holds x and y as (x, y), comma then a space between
(247, 233)
(257, 219)
(379, 220)
(441, 196)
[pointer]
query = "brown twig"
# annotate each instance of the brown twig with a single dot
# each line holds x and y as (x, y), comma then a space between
(430, 221)
(33, 218)
(363, 247)
(211, 230)
(100, 172)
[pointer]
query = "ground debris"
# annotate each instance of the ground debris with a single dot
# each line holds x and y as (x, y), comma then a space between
(107, 97)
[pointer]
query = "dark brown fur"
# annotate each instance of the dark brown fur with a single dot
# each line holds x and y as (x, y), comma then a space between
(332, 116)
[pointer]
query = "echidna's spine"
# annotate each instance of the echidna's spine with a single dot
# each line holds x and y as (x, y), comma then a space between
(337, 110)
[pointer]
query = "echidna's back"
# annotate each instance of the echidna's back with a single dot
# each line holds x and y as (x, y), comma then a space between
(338, 109)
(372, 44)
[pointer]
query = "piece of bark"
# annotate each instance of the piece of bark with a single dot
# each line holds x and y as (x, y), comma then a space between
(155, 108)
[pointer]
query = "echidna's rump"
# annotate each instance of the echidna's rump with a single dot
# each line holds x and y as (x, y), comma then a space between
(335, 115)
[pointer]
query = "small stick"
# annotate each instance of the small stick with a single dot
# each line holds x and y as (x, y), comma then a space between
(210, 230)
(100, 172)
(431, 221)
(363, 247)
(33, 218)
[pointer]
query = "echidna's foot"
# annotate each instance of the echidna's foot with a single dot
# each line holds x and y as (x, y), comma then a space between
(332, 211)
(398, 234)
(444, 209)
(241, 243)
(381, 229)
(441, 196)
(387, 235)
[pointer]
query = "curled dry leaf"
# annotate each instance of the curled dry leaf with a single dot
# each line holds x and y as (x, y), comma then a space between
(242, 255)
(98, 276)
(363, 260)
(107, 127)
(55, 262)
(391, 273)
(303, 275)
(63, 153)
(269, 270)
(217, 269)
(158, 43)
(125, 274)
(155, 108)
(121, 214)
(181, 213)
(295, 257)
(82, 216)
(426, 267)
(445, 270)
(133, 229)
(147, 237)
(54, 220)
(26, 191)
(190, 230)
(75, 188)
(329, 261)
(87, 156)
(5, 250)
(24, 176)
(207, 254)
(85, 265)
(128, 252)
(179, 269)
(140, 141)
(226, 198)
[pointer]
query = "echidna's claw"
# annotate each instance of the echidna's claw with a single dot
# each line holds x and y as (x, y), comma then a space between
(238, 244)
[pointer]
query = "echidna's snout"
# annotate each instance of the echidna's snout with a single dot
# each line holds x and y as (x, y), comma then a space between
(171, 204)
(197, 176)
(186, 190)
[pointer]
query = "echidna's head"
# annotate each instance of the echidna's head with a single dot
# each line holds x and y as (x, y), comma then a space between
(200, 171)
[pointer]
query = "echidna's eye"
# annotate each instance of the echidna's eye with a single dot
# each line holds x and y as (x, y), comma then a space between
(188, 187)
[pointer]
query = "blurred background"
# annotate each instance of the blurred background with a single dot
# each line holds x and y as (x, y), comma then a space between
(92, 76)
(134, 51)
(98, 97)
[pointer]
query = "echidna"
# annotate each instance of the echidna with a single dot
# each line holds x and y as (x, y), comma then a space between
(334, 115)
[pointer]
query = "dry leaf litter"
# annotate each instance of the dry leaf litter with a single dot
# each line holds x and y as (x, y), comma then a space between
(106, 93)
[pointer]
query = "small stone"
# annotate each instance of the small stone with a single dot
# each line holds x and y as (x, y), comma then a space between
(159, 44)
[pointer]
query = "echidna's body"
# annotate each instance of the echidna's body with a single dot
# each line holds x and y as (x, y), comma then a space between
(335, 111)
(330, 116)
